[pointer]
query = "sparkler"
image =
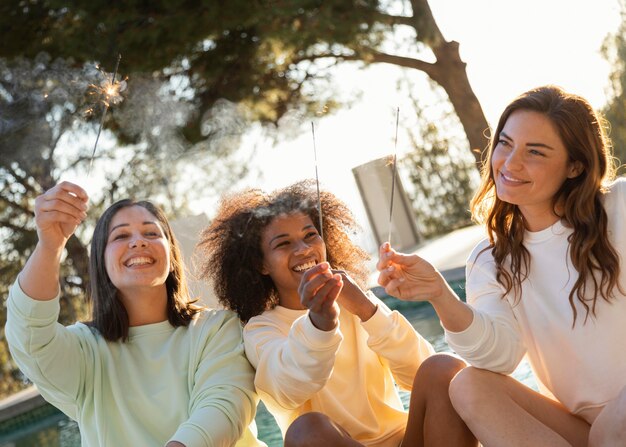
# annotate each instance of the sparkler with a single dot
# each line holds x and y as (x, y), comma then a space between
(393, 178)
(317, 182)
(109, 93)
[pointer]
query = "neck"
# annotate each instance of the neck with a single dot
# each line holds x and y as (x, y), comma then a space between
(537, 220)
(146, 306)
(290, 300)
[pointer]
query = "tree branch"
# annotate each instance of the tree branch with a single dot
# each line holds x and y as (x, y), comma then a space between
(424, 23)
(392, 20)
(17, 205)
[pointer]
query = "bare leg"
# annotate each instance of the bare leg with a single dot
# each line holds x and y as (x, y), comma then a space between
(315, 430)
(432, 419)
(501, 411)
(609, 428)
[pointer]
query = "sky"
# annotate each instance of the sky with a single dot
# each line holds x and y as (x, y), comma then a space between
(509, 47)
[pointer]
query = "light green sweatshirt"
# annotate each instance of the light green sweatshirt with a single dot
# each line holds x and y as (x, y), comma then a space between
(190, 384)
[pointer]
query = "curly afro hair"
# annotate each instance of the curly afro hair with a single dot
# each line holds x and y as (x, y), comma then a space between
(229, 253)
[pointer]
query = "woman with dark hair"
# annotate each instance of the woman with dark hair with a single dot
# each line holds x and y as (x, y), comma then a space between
(151, 368)
(326, 353)
(547, 282)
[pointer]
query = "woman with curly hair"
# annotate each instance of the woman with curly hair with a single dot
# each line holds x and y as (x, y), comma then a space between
(326, 353)
(547, 282)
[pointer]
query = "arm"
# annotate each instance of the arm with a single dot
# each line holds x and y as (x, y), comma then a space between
(484, 332)
(391, 336)
(395, 340)
(222, 400)
(292, 361)
(48, 353)
(493, 341)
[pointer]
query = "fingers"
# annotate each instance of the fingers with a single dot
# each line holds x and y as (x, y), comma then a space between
(319, 287)
(66, 203)
(72, 189)
(314, 278)
(400, 289)
(384, 255)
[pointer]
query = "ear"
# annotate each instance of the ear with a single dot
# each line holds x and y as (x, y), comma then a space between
(264, 270)
(575, 169)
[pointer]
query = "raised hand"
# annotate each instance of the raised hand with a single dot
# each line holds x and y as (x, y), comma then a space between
(58, 212)
(318, 290)
(408, 277)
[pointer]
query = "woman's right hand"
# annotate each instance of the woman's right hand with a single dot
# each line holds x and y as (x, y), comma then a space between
(58, 212)
(318, 290)
(408, 277)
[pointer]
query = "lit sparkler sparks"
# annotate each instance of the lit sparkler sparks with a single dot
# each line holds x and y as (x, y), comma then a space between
(109, 93)
(317, 181)
(393, 175)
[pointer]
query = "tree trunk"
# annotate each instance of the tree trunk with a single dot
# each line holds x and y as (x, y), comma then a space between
(449, 72)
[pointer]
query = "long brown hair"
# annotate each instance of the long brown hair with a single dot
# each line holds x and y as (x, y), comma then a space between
(109, 315)
(582, 131)
(230, 255)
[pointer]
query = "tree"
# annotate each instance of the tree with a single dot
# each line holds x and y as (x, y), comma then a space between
(441, 173)
(42, 124)
(615, 110)
(272, 56)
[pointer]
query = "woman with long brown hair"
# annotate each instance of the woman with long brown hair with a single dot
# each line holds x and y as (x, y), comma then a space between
(151, 368)
(548, 282)
(327, 352)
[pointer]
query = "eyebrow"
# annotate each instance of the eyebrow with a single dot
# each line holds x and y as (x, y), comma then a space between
(503, 134)
(278, 236)
(147, 222)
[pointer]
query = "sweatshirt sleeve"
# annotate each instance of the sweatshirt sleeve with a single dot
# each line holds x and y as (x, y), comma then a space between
(48, 353)
(493, 340)
(290, 369)
(395, 340)
(222, 401)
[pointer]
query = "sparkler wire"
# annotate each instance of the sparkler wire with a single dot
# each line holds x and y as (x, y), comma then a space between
(317, 182)
(104, 114)
(393, 175)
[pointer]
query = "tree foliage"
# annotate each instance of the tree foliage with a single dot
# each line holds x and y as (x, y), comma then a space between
(45, 137)
(271, 55)
(615, 111)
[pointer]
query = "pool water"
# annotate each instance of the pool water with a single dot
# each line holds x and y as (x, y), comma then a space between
(54, 429)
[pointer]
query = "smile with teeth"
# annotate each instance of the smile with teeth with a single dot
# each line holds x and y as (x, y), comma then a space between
(140, 260)
(511, 179)
(304, 267)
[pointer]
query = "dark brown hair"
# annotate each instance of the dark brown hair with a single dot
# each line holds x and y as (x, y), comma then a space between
(230, 256)
(580, 198)
(109, 315)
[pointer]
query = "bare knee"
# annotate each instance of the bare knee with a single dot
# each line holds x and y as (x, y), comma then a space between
(437, 371)
(467, 390)
(312, 429)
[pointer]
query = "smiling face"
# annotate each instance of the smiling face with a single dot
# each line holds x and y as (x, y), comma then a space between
(290, 245)
(530, 164)
(137, 253)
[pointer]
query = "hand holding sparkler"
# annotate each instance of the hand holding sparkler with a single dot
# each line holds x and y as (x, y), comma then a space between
(108, 93)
